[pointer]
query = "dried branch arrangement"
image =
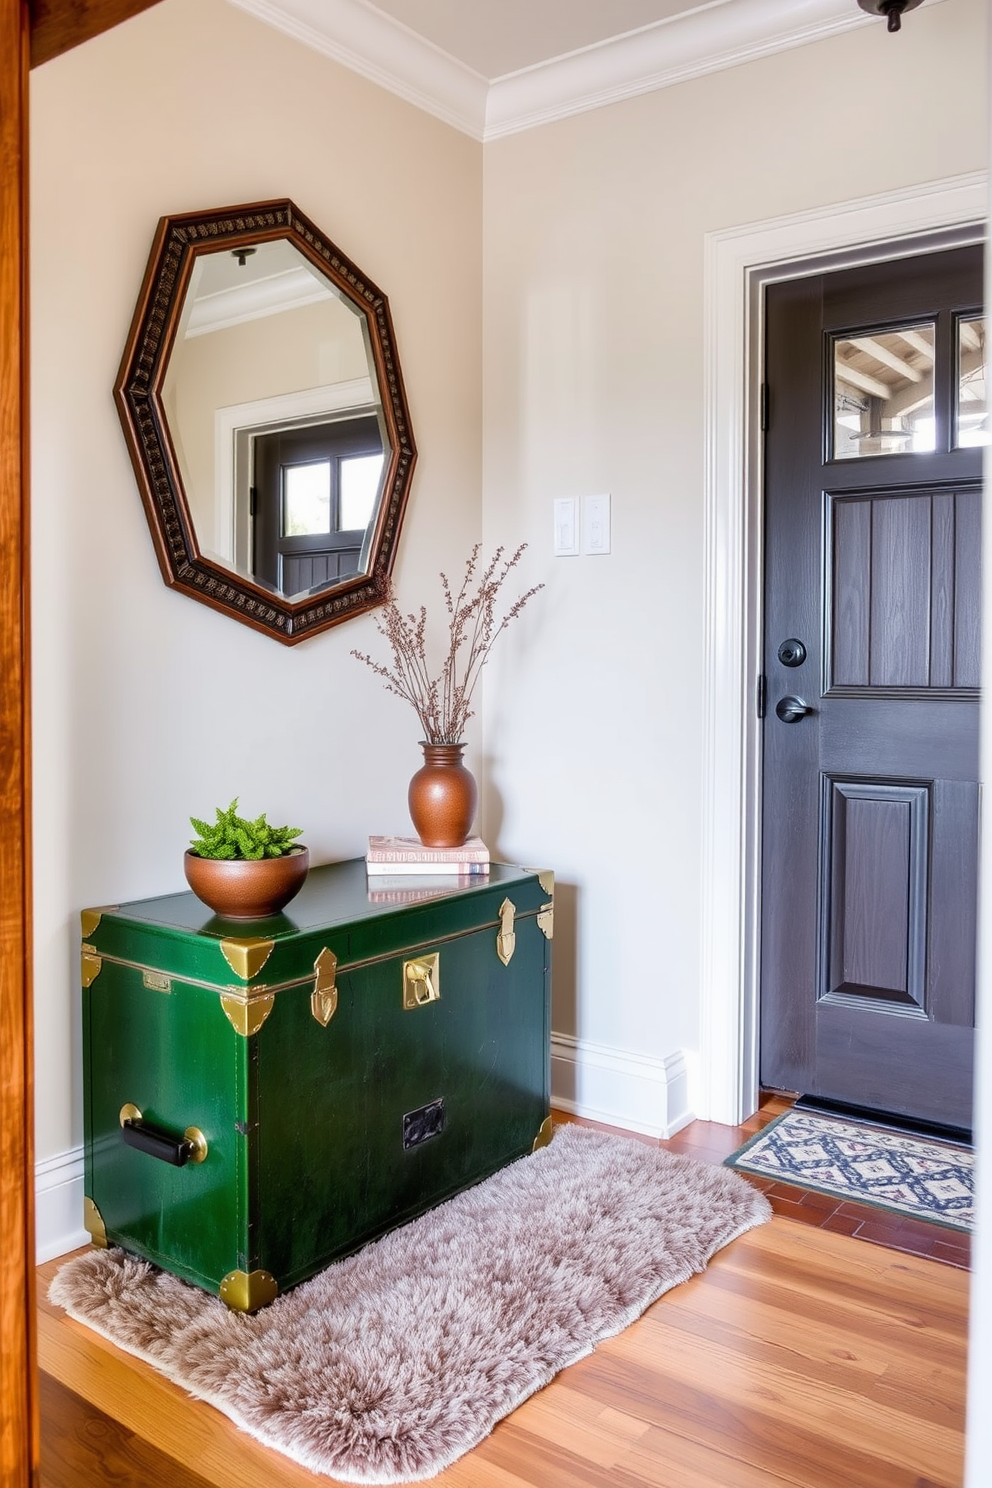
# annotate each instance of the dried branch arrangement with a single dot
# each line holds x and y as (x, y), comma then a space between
(443, 703)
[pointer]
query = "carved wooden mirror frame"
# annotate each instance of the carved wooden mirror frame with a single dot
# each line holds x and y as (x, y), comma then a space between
(138, 393)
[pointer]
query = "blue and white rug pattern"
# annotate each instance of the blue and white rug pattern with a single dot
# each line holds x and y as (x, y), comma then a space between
(911, 1175)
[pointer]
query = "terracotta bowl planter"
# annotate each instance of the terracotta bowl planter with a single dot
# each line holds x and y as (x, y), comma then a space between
(241, 890)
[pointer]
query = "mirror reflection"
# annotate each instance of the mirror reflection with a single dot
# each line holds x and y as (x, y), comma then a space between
(276, 418)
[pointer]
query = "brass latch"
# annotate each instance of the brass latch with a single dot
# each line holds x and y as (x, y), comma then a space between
(324, 998)
(506, 940)
(421, 980)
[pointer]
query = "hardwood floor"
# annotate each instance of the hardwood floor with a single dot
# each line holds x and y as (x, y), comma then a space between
(801, 1357)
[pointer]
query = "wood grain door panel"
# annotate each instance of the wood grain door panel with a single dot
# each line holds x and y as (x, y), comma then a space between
(870, 800)
(903, 574)
(875, 841)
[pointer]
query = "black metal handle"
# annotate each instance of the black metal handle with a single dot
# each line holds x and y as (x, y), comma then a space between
(177, 1151)
(791, 709)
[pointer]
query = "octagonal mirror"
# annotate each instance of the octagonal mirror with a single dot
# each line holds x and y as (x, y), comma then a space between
(262, 402)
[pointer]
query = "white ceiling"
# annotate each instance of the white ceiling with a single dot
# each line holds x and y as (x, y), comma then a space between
(495, 37)
(497, 67)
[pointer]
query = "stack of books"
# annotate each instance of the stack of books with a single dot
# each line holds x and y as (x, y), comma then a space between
(402, 870)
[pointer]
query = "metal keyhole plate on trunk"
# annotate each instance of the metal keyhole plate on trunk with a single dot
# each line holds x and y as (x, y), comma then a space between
(792, 653)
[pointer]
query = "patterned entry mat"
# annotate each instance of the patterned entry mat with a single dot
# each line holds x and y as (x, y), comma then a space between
(920, 1176)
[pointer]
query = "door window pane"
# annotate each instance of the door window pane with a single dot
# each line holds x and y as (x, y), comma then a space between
(359, 489)
(306, 499)
(883, 392)
(972, 411)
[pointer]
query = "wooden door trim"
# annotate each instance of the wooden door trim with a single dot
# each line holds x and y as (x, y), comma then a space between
(737, 263)
(18, 1402)
(57, 25)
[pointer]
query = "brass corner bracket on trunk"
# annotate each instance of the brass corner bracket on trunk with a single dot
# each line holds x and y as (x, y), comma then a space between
(246, 1015)
(248, 1291)
(544, 1135)
(246, 957)
(324, 997)
(89, 919)
(90, 965)
(93, 1223)
(506, 939)
(546, 914)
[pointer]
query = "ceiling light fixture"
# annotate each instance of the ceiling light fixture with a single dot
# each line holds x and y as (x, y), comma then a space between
(893, 10)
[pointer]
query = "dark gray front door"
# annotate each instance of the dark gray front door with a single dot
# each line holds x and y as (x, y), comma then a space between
(875, 398)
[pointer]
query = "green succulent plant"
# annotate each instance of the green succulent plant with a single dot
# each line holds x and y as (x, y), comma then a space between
(232, 836)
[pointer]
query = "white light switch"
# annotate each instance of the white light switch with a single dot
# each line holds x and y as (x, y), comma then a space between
(596, 524)
(566, 526)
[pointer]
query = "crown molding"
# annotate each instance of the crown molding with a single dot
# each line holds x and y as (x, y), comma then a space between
(290, 290)
(711, 39)
(717, 35)
(371, 43)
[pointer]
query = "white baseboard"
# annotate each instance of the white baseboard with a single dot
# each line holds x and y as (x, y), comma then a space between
(618, 1088)
(59, 1205)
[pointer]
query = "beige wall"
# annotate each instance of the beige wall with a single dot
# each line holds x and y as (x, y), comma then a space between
(593, 342)
(147, 705)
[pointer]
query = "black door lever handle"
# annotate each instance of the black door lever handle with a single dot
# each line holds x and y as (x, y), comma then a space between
(791, 709)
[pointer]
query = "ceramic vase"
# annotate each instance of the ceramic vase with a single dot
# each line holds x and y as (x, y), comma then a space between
(443, 797)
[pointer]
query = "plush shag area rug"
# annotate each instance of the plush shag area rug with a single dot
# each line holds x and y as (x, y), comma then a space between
(389, 1365)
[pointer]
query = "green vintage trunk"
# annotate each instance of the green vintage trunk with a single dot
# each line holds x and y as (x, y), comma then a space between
(343, 1082)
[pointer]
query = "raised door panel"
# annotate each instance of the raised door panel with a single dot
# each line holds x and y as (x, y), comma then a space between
(904, 576)
(876, 841)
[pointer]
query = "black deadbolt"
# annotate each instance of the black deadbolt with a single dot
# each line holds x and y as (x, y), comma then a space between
(792, 653)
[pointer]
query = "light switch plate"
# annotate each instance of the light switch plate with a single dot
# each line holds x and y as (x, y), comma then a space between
(596, 524)
(566, 526)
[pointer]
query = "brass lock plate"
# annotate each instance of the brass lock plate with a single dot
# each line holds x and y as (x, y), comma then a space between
(421, 980)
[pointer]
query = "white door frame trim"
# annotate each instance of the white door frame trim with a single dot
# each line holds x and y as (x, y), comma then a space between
(737, 261)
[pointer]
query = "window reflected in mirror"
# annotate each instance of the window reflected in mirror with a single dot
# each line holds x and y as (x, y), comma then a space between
(971, 422)
(360, 476)
(883, 392)
(306, 510)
